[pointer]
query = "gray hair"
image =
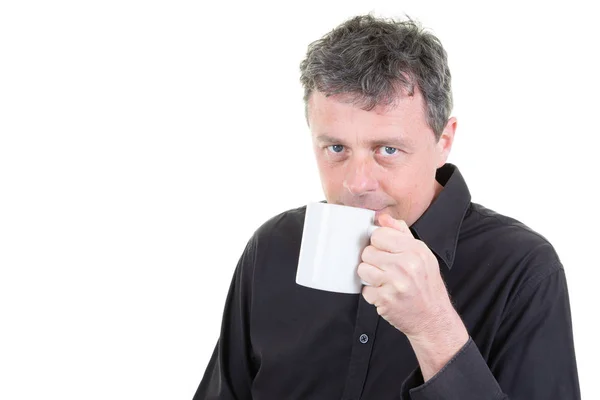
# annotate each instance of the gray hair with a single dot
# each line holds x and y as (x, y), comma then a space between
(370, 60)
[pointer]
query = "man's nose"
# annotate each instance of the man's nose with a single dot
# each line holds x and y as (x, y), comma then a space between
(360, 178)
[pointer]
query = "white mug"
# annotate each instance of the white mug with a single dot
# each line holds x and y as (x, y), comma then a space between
(333, 240)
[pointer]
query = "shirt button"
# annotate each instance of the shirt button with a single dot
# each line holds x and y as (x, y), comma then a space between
(363, 338)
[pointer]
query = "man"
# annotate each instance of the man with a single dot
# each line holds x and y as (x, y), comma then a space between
(463, 303)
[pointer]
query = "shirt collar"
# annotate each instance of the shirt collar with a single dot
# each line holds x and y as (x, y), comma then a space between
(439, 226)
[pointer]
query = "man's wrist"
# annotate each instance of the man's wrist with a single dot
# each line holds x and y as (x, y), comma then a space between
(436, 346)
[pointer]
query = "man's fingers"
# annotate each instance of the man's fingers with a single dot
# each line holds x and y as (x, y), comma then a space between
(382, 258)
(370, 274)
(370, 294)
(390, 240)
(387, 220)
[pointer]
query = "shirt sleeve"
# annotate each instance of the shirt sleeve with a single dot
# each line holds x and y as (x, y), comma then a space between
(228, 375)
(533, 357)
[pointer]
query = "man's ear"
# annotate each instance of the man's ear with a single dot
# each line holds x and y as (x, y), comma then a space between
(444, 144)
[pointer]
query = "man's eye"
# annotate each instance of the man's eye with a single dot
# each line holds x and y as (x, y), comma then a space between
(387, 150)
(336, 148)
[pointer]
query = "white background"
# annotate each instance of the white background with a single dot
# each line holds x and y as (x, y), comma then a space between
(143, 142)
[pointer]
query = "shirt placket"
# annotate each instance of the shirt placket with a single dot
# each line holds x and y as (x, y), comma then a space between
(363, 340)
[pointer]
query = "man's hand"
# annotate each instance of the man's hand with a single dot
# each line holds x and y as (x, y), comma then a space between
(408, 291)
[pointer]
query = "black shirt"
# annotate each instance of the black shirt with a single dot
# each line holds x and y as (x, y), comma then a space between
(283, 341)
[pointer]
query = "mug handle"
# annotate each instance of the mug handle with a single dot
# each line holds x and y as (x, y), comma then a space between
(370, 231)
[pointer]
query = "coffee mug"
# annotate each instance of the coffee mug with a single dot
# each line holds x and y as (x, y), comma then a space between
(333, 240)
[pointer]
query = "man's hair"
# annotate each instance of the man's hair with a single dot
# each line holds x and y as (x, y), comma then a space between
(371, 60)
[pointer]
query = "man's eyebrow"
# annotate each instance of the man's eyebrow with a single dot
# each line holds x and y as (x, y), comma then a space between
(393, 141)
(325, 138)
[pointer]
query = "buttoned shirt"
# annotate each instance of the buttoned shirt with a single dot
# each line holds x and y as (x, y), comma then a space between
(283, 341)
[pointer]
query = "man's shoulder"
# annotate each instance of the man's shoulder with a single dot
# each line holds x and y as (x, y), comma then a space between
(286, 225)
(500, 233)
(502, 224)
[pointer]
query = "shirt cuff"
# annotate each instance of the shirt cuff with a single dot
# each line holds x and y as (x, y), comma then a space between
(466, 376)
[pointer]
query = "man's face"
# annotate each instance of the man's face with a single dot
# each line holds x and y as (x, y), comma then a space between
(383, 159)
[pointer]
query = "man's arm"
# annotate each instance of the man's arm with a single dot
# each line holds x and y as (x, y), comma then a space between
(533, 357)
(228, 375)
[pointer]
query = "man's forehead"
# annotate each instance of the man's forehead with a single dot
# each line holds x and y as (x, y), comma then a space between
(335, 120)
(319, 102)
